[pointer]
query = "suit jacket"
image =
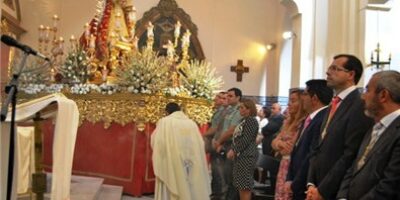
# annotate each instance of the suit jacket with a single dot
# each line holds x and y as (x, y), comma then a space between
(335, 153)
(379, 177)
(299, 158)
(269, 132)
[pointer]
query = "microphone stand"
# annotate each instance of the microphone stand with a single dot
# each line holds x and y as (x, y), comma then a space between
(11, 91)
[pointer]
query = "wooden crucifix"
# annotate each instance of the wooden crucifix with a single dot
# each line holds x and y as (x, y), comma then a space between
(239, 69)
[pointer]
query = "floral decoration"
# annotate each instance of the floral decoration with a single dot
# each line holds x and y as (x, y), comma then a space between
(201, 80)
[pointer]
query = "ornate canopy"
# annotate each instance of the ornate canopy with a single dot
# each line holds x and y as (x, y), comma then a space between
(164, 16)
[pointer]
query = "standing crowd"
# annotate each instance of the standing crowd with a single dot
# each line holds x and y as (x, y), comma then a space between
(333, 142)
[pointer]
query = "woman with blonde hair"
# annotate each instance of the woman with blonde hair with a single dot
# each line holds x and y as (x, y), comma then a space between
(285, 140)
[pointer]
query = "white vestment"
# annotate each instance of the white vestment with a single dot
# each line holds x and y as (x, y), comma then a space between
(67, 119)
(179, 160)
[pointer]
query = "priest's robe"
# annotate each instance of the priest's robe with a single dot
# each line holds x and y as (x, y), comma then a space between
(179, 160)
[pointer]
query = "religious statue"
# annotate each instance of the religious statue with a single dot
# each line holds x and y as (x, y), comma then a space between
(150, 36)
(110, 34)
(170, 50)
(150, 30)
(186, 39)
(177, 32)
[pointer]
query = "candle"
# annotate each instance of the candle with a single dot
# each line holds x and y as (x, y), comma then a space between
(41, 33)
(47, 34)
(72, 40)
(55, 21)
(61, 45)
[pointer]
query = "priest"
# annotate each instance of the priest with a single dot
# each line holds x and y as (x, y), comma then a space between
(179, 158)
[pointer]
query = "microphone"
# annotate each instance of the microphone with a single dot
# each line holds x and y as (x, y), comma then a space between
(14, 43)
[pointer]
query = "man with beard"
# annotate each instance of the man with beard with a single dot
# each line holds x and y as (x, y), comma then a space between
(342, 131)
(375, 173)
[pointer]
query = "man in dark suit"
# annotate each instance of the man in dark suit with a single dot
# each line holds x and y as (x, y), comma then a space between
(342, 131)
(375, 173)
(269, 131)
(315, 97)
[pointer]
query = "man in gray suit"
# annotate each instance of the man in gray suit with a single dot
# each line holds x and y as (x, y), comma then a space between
(375, 173)
(342, 131)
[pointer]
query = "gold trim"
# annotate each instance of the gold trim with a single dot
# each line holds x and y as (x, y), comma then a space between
(125, 108)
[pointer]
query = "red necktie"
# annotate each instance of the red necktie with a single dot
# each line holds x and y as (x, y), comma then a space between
(334, 105)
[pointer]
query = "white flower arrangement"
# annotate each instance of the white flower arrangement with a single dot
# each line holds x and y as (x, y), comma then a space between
(145, 73)
(32, 88)
(54, 88)
(201, 80)
(175, 91)
(140, 73)
(108, 89)
(75, 68)
(81, 88)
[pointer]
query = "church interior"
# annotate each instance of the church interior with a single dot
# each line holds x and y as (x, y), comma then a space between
(263, 47)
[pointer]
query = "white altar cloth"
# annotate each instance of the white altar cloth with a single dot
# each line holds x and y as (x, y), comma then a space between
(67, 118)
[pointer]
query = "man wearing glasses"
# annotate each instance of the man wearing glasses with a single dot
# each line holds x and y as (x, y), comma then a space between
(342, 131)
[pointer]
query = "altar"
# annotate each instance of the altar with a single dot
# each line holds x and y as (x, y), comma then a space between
(121, 72)
(121, 154)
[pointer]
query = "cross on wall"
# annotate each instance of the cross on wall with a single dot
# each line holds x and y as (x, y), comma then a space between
(240, 69)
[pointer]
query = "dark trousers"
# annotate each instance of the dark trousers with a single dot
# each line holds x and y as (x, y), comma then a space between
(231, 192)
(218, 184)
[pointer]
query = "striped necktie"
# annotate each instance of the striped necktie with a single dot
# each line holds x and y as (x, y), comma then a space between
(374, 137)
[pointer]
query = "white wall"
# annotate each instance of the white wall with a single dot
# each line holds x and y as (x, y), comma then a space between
(382, 27)
(228, 30)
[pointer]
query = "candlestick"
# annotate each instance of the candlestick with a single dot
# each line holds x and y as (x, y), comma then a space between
(72, 41)
(47, 34)
(55, 21)
(61, 45)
